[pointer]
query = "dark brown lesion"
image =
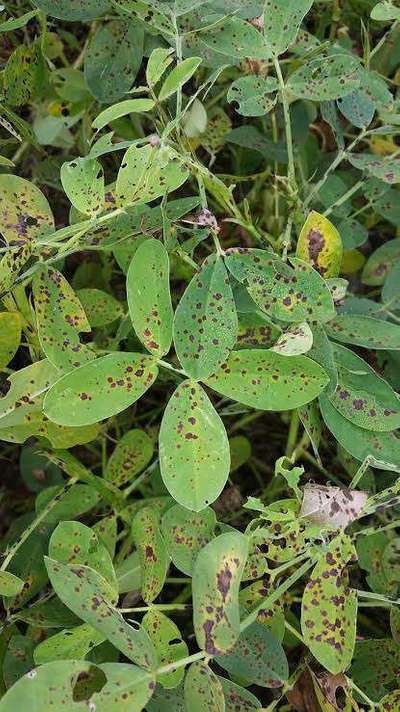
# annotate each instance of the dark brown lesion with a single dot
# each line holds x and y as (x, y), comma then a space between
(316, 244)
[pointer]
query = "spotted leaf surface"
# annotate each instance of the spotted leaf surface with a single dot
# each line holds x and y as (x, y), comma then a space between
(24, 396)
(10, 585)
(332, 507)
(253, 94)
(194, 448)
(68, 644)
(297, 340)
(203, 689)
(364, 331)
(375, 667)
(282, 20)
(100, 389)
(11, 263)
(289, 294)
(60, 317)
(237, 39)
(267, 380)
(238, 698)
(83, 591)
(359, 442)
(153, 556)
(257, 658)
(73, 9)
(256, 330)
(326, 78)
(320, 245)
(149, 297)
(311, 421)
(362, 396)
(381, 262)
(168, 643)
(385, 168)
(112, 60)
(329, 608)
(216, 579)
(83, 183)
(148, 173)
(131, 455)
(25, 214)
(205, 325)
(75, 543)
(186, 533)
(100, 307)
(10, 336)
(81, 685)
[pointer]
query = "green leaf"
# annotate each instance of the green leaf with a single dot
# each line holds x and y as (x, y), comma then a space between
(157, 64)
(194, 448)
(391, 702)
(81, 685)
(25, 393)
(258, 658)
(311, 421)
(385, 168)
(361, 443)
(113, 59)
(100, 389)
(25, 214)
(236, 39)
(282, 20)
(83, 183)
(358, 108)
(75, 543)
(73, 9)
(148, 173)
(326, 78)
(253, 94)
(269, 381)
(238, 698)
(203, 689)
(362, 396)
(256, 330)
(122, 108)
(149, 298)
(364, 331)
(241, 451)
(60, 317)
(68, 644)
(217, 574)
(84, 592)
(381, 262)
(297, 340)
(153, 555)
(23, 74)
(131, 455)
(185, 533)
(170, 647)
(100, 307)
(375, 667)
(10, 585)
(385, 11)
(289, 294)
(320, 245)
(10, 336)
(178, 77)
(15, 23)
(329, 608)
(391, 289)
(205, 324)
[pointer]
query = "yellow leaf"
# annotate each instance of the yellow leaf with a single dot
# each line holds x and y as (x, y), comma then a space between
(382, 146)
(352, 261)
(320, 245)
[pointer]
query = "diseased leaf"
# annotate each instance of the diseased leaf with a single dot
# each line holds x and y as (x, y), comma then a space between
(84, 592)
(149, 297)
(100, 307)
(216, 579)
(385, 168)
(100, 388)
(10, 336)
(237, 698)
(253, 94)
(203, 689)
(391, 288)
(320, 245)
(375, 666)
(258, 658)
(60, 317)
(10, 585)
(326, 78)
(282, 20)
(168, 643)
(25, 214)
(83, 182)
(237, 39)
(364, 331)
(68, 644)
(332, 507)
(311, 421)
(391, 702)
(358, 108)
(148, 173)
(153, 555)
(158, 63)
(267, 380)
(297, 340)
(329, 608)
(131, 455)
(194, 448)
(73, 9)
(205, 324)
(112, 59)
(186, 533)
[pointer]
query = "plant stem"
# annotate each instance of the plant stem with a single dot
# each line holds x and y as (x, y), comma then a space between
(182, 662)
(157, 607)
(288, 126)
(293, 432)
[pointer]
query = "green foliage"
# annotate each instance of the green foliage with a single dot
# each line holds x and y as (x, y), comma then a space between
(199, 355)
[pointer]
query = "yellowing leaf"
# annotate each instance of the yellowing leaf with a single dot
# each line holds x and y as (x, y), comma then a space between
(320, 245)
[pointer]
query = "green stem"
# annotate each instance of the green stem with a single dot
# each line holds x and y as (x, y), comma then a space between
(288, 126)
(158, 607)
(182, 662)
(344, 197)
(362, 694)
(293, 432)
